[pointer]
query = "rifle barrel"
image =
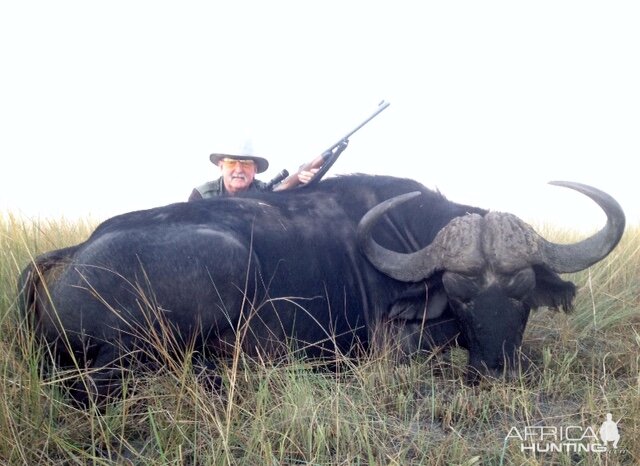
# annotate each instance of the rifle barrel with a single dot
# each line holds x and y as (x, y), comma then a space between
(381, 106)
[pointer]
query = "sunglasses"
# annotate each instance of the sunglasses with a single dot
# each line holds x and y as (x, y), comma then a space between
(232, 163)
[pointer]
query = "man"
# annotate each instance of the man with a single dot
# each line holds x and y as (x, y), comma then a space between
(238, 171)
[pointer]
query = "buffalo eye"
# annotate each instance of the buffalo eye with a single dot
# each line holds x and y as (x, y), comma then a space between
(520, 284)
(460, 287)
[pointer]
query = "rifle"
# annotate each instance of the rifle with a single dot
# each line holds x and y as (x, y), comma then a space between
(324, 161)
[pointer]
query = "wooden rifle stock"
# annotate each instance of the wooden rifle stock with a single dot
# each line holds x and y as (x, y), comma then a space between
(292, 180)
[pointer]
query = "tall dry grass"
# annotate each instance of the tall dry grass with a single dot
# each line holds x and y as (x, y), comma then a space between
(378, 411)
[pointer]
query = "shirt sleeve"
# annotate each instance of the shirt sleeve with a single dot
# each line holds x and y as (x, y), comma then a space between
(195, 195)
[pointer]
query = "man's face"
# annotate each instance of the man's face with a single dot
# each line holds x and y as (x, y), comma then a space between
(237, 174)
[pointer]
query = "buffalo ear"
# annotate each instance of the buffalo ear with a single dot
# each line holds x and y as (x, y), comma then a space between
(551, 291)
(406, 309)
(410, 305)
(419, 303)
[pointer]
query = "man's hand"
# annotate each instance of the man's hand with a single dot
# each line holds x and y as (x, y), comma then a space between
(306, 175)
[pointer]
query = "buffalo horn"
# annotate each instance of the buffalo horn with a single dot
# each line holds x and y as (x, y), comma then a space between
(411, 267)
(456, 247)
(568, 258)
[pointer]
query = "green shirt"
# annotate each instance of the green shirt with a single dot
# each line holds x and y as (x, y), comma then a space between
(216, 188)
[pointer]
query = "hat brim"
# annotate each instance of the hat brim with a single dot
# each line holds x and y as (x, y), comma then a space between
(261, 163)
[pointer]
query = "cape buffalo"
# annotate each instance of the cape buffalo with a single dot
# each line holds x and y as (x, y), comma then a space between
(320, 270)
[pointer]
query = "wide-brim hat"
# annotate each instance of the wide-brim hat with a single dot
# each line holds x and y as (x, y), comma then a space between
(244, 152)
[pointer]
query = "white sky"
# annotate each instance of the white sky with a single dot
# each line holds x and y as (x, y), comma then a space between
(107, 107)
